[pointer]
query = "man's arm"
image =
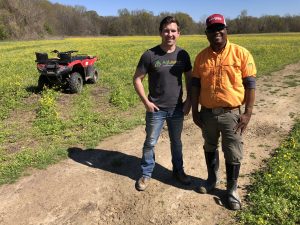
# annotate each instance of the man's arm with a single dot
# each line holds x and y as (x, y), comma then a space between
(249, 103)
(187, 102)
(139, 88)
(195, 93)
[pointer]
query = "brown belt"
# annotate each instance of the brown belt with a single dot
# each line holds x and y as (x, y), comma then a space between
(220, 110)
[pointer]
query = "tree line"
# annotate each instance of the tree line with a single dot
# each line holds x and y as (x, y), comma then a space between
(36, 19)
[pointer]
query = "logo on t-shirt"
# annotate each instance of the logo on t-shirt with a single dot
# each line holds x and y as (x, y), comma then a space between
(165, 63)
(157, 64)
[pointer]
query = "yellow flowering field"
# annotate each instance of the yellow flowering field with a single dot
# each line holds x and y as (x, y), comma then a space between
(118, 57)
(53, 120)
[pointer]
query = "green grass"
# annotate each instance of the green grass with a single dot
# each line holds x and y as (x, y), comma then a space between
(274, 196)
(37, 129)
(12, 166)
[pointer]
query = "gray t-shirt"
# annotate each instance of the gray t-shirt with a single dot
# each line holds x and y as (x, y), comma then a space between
(165, 75)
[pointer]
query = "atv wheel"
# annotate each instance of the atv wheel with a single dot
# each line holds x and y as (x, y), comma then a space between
(43, 82)
(94, 77)
(75, 83)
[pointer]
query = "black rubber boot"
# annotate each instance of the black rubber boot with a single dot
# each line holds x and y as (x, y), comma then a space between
(212, 163)
(232, 172)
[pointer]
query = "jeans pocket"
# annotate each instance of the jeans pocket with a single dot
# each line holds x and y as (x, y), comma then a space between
(236, 117)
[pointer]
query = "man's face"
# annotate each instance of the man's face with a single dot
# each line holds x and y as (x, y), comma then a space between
(169, 34)
(216, 35)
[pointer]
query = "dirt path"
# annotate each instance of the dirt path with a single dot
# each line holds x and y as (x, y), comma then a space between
(96, 186)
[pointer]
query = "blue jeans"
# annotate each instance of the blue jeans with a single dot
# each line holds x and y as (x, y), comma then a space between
(154, 125)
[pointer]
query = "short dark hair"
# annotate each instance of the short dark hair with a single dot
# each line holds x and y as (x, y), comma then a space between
(167, 20)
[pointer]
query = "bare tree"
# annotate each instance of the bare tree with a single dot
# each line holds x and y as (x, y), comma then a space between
(31, 19)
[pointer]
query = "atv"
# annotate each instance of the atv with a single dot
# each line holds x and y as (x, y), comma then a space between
(66, 70)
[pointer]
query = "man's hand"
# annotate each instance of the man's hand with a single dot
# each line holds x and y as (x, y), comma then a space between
(151, 107)
(187, 106)
(242, 124)
(196, 119)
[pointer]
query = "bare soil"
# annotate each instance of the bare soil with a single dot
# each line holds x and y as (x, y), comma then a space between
(97, 186)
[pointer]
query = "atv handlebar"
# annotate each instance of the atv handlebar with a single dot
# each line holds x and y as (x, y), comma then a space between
(57, 52)
(72, 51)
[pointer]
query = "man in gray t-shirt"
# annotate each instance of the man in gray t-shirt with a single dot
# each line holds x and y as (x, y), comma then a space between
(165, 75)
(164, 64)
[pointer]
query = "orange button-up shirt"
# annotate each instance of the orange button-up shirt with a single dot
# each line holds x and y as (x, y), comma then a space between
(221, 75)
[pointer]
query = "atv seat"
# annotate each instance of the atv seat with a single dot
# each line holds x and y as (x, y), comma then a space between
(79, 57)
(64, 57)
(41, 57)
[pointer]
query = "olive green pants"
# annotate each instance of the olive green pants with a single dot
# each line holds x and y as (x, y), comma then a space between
(222, 125)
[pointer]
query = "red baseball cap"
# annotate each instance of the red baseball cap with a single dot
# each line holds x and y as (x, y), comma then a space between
(215, 19)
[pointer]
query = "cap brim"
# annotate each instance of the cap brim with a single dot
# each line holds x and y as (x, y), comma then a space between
(216, 24)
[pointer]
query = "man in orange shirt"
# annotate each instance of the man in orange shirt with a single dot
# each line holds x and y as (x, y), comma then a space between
(223, 80)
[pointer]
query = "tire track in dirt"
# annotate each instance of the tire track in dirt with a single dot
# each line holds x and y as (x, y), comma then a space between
(96, 186)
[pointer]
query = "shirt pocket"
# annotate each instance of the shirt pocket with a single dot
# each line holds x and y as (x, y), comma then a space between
(232, 75)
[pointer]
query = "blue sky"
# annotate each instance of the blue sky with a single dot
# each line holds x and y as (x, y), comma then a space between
(197, 9)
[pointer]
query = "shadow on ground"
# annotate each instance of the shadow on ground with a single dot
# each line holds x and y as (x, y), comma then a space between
(33, 89)
(129, 166)
(123, 164)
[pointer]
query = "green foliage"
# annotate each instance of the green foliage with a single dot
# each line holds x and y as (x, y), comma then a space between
(48, 28)
(274, 197)
(3, 32)
(12, 166)
(94, 126)
(48, 120)
(123, 97)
